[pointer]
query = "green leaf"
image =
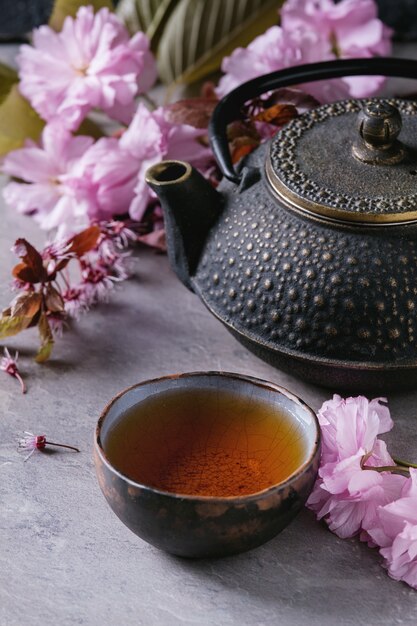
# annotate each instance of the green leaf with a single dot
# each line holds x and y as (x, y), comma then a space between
(150, 16)
(200, 34)
(20, 315)
(11, 325)
(47, 340)
(8, 77)
(65, 8)
(26, 305)
(18, 121)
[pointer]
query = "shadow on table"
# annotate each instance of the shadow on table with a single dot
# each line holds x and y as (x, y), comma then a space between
(309, 571)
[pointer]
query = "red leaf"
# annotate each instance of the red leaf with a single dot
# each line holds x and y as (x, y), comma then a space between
(32, 259)
(208, 90)
(84, 241)
(278, 114)
(60, 265)
(240, 129)
(241, 151)
(193, 111)
(24, 273)
(54, 301)
(241, 146)
(26, 305)
(287, 95)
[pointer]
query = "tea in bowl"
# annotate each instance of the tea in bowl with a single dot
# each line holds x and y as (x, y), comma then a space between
(208, 463)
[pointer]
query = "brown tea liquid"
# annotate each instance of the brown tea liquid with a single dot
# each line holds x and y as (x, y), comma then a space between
(206, 443)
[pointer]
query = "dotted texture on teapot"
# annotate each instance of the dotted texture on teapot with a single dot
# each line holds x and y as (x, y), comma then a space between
(312, 158)
(307, 287)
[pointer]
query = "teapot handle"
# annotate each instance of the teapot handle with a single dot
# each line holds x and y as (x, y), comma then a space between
(225, 111)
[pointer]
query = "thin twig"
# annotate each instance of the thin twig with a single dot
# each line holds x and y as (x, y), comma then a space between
(21, 381)
(395, 469)
(404, 463)
(61, 445)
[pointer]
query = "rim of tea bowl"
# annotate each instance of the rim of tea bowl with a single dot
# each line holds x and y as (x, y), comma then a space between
(200, 525)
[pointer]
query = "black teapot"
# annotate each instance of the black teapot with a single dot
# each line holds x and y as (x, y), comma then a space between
(308, 253)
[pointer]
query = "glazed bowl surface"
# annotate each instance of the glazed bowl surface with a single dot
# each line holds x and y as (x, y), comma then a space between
(213, 513)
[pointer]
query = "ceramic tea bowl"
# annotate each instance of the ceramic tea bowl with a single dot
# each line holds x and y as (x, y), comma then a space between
(193, 525)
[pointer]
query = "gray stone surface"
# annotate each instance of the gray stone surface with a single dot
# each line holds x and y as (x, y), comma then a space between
(64, 556)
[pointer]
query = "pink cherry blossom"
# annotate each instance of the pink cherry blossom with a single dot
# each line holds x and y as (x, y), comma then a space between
(45, 167)
(75, 301)
(313, 31)
(102, 268)
(277, 49)
(346, 495)
(8, 364)
(149, 138)
(57, 323)
(396, 532)
(99, 269)
(353, 29)
(91, 63)
(97, 282)
(62, 187)
(30, 442)
(53, 253)
(401, 557)
(351, 424)
(118, 234)
(391, 518)
(103, 192)
(352, 25)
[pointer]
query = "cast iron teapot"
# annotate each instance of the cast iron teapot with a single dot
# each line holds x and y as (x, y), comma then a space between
(308, 253)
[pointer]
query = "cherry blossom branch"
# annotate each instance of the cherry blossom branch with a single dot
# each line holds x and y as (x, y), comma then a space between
(395, 469)
(48, 299)
(33, 442)
(400, 468)
(9, 365)
(61, 445)
(379, 506)
(404, 463)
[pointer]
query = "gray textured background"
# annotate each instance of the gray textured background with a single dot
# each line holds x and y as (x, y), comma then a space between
(64, 556)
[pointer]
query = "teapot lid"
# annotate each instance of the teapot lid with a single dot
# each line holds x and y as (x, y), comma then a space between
(349, 161)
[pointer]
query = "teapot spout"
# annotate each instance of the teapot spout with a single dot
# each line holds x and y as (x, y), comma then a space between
(191, 206)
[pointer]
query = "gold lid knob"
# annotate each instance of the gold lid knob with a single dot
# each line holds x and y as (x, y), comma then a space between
(379, 124)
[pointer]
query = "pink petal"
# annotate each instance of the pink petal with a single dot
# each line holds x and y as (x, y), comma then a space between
(336, 476)
(183, 145)
(27, 198)
(90, 63)
(30, 164)
(145, 136)
(401, 556)
(411, 488)
(363, 481)
(345, 520)
(143, 195)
